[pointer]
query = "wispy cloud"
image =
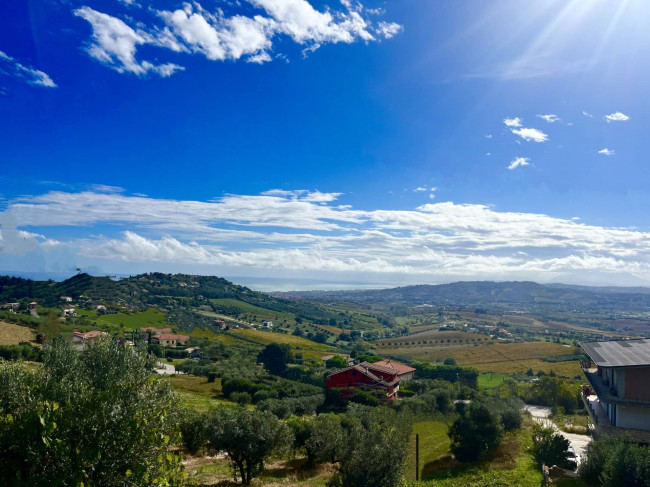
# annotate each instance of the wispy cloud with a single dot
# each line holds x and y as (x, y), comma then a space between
(512, 122)
(550, 118)
(32, 76)
(616, 117)
(519, 162)
(311, 231)
(606, 152)
(219, 37)
(587, 114)
(529, 134)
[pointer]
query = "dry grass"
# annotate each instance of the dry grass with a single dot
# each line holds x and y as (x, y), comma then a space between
(507, 358)
(267, 337)
(11, 334)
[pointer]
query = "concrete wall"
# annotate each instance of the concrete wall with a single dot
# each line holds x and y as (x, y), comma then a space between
(637, 417)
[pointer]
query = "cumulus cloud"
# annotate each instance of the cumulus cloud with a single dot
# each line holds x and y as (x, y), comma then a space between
(519, 162)
(219, 37)
(512, 122)
(31, 76)
(606, 152)
(114, 44)
(616, 117)
(529, 134)
(311, 231)
(550, 118)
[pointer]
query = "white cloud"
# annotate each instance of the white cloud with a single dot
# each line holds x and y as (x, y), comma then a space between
(519, 162)
(432, 196)
(219, 37)
(531, 134)
(488, 136)
(606, 152)
(616, 117)
(587, 114)
(115, 44)
(312, 231)
(388, 30)
(31, 75)
(512, 122)
(550, 118)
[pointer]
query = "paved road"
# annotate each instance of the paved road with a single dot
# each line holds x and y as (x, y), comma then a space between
(165, 369)
(541, 414)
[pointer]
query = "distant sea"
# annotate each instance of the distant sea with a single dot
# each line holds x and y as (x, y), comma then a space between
(265, 284)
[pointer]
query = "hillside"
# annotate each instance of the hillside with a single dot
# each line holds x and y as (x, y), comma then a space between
(523, 296)
(182, 296)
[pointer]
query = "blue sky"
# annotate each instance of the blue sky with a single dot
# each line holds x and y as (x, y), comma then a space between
(377, 142)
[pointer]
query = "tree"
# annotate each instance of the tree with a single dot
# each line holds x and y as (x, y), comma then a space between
(475, 433)
(450, 361)
(375, 450)
(327, 440)
(248, 437)
(275, 358)
(550, 448)
(97, 417)
(611, 461)
(337, 362)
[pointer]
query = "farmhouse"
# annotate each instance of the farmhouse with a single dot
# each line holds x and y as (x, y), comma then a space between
(618, 395)
(169, 340)
(365, 376)
(267, 324)
(194, 353)
(80, 339)
(404, 372)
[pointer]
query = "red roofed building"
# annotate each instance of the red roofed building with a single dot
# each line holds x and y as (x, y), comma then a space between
(83, 338)
(403, 371)
(155, 331)
(169, 340)
(365, 376)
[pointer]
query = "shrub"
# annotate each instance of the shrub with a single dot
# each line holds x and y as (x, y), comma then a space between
(475, 433)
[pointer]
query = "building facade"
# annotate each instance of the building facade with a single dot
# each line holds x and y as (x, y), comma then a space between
(618, 394)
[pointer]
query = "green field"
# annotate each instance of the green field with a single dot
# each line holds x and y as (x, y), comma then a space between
(489, 380)
(131, 321)
(244, 307)
(266, 337)
(510, 465)
(196, 392)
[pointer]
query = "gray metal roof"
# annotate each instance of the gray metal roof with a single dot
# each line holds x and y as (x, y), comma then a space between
(624, 353)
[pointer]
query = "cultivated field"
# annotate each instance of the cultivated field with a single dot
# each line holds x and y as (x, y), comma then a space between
(435, 338)
(11, 334)
(266, 337)
(506, 358)
(131, 321)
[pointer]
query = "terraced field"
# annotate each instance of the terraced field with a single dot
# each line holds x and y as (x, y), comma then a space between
(508, 358)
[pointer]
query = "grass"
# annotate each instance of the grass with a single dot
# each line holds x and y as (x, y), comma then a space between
(196, 392)
(434, 445)
(12, 334)
(131, 321)
(266, 337)
(510, 465)
(491, 380)
(260, 312)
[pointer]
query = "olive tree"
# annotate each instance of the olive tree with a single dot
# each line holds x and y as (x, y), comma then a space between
(97, 417)
(249, 437)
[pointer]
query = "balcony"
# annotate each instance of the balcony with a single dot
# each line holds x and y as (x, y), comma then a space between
(600, 423)
(607, 393)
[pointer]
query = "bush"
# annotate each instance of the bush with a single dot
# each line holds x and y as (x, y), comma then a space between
(610, 462)
(193, 432)
(550, 448)
(97, 418)
(475, 433)
(241, 398)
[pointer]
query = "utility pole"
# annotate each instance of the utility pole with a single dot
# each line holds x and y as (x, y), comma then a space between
(417, 457)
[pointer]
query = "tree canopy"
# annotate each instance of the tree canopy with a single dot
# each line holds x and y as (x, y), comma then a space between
(97, 417)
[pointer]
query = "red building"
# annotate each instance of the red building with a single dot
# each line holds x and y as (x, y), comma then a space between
(365, 376)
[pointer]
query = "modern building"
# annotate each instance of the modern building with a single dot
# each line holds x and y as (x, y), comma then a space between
(618, 395)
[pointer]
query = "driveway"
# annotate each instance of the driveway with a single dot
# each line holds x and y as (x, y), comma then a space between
(541, 414)
(165, 369)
